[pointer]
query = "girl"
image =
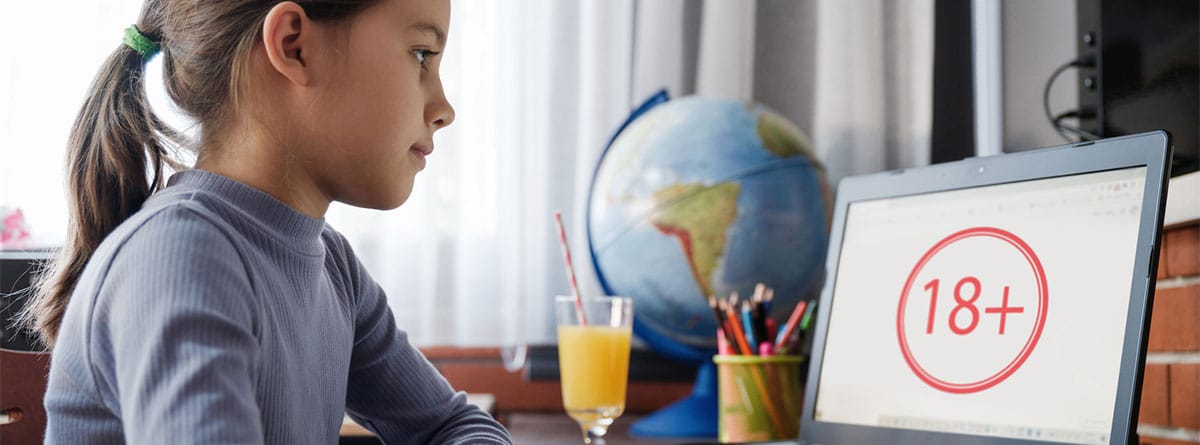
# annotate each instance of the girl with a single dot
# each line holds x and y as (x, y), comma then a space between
(219, 307)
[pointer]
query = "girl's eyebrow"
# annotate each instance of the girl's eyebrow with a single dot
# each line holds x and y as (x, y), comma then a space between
(432, 29)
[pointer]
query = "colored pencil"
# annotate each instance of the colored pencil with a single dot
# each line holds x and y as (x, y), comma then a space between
(722, 324)
(791, 325)
(739, 335)
(749, 322)
(808, 316)
(723, 343)
(769, 300)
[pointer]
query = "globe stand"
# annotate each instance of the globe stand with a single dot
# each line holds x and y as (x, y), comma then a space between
(693, 416)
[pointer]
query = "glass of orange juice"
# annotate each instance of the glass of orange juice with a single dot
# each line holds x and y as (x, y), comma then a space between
(593, 360)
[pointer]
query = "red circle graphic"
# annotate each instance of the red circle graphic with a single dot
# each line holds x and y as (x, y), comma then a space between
(1043, 300)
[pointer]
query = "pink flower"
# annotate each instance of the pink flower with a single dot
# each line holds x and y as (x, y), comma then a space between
(13, 228)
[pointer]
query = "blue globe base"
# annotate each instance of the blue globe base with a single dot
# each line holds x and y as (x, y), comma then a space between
(694, 416)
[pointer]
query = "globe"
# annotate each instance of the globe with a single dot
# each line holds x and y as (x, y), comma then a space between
(705, 196)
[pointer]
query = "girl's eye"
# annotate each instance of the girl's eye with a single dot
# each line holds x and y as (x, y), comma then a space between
(422, 55)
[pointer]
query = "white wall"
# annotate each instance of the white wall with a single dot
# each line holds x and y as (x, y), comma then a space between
(1038, 36)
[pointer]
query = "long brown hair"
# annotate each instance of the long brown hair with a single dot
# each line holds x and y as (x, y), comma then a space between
(118, 149)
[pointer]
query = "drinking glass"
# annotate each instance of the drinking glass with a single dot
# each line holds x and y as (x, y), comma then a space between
(593, 360)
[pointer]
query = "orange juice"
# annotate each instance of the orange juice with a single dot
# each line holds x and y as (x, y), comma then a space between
(593, 362)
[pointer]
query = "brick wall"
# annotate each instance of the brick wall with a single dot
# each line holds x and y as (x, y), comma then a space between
(1170, 408)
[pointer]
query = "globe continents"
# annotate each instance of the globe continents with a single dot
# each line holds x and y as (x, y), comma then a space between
(705, 196)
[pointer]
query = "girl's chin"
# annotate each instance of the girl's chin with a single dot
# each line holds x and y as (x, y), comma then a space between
(384, 196)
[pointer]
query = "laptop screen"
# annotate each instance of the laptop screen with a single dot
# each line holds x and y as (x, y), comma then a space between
(991, 311)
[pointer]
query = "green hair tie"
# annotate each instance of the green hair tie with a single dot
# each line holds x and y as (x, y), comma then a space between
(140, 43)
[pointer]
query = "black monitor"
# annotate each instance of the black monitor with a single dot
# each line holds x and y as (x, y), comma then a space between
(1146, 72)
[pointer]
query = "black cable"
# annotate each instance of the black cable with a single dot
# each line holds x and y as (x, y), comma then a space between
(1068, 114)
(1056, 122)
(1084, 135)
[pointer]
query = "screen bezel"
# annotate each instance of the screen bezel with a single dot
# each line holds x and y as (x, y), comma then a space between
(1151, 150)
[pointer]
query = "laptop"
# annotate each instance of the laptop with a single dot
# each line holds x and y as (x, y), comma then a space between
(994, 300)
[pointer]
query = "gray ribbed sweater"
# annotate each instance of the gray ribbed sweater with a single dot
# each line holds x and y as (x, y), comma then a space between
(218, 314)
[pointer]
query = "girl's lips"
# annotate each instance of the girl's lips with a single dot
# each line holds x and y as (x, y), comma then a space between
(424, 150)
(420, 152)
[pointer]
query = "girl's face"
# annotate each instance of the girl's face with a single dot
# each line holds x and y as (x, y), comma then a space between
(372, 128)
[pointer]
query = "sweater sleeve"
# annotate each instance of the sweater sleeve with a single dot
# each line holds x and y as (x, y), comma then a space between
(174, 332)
(394, 391)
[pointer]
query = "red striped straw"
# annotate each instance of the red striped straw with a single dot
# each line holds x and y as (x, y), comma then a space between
(566, 253)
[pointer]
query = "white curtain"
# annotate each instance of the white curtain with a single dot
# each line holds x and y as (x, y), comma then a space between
(874, 77)
(726, 65)
(723, 41)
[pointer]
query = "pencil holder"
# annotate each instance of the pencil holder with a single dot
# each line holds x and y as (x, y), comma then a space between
(760, 397)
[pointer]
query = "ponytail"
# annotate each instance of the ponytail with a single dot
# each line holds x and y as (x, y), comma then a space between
(118, 149)
(113, 137)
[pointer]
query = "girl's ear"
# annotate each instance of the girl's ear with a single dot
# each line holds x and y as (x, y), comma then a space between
(286, 32)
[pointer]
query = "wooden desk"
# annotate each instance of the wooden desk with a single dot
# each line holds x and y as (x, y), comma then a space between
(350, 429)
(533, 428)
(558, 429)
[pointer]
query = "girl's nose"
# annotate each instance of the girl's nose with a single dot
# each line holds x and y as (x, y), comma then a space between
(439, 112)
(445, 118)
